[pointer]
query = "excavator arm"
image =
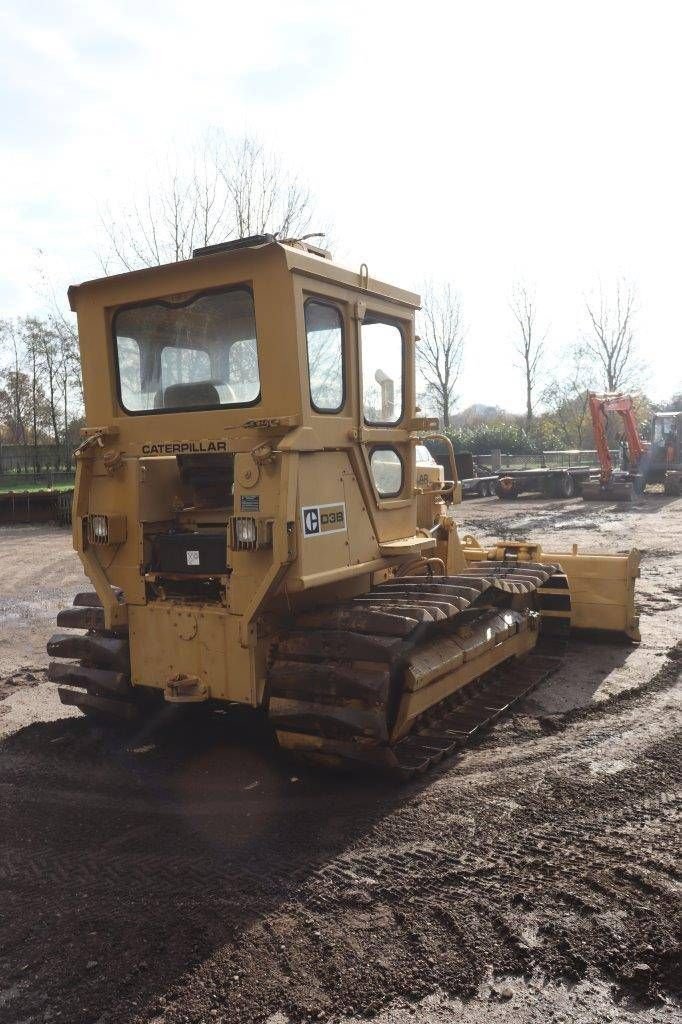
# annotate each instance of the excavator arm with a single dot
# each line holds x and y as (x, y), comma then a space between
(600, 407)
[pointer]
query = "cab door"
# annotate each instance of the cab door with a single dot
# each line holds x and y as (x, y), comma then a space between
(386, 371)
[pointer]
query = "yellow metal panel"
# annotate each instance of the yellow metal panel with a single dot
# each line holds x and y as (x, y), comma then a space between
(159, 488)
(172, 638)
(602, 589)
(326, 483)
(596, 566)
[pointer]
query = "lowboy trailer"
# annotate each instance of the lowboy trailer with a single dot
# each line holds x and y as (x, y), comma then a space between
(564, 482)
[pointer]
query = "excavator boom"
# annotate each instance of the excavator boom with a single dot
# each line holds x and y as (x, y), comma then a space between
(612, 485)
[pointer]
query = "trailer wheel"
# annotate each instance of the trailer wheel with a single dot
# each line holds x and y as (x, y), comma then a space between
(565, 486)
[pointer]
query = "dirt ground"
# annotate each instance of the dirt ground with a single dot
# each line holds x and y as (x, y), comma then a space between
(192, 875)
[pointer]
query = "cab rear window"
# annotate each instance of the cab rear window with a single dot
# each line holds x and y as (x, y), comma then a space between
(190, 355)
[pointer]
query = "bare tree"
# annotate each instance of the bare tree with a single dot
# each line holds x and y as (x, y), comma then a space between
(566, 398)
(61, 327)
(441, 346)
(225, 189)
(41, 346)
(530, 343)
(32, 332)
(610, 340)
(15, 385)
(262, 196)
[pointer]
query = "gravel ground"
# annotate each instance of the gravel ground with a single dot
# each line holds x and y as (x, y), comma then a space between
(193, 875)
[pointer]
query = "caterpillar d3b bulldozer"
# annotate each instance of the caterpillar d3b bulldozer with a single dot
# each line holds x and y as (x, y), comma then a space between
(258, 530)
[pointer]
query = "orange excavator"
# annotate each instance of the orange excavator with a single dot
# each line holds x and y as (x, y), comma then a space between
(658, 461)
(616, 484)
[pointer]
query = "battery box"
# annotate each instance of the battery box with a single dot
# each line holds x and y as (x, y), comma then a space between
(199, 553)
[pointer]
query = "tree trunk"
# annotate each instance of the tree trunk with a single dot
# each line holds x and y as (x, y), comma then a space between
(34, 389)
(529, 402)
(67, 461)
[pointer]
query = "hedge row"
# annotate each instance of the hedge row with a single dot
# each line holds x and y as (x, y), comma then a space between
(508, 437)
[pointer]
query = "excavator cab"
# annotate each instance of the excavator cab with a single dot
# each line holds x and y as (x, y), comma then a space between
(664, 463)
(654, 462)
(261, 525)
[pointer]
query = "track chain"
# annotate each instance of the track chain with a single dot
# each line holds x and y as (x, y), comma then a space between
(450, 728)
(337, 676)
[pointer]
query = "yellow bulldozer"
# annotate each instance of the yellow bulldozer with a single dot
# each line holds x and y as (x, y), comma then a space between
(262, 521)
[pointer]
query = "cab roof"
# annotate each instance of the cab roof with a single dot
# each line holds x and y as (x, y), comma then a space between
(298, 256)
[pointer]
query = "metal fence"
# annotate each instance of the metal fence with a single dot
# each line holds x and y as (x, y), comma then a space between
(36, 507)
(45, 464)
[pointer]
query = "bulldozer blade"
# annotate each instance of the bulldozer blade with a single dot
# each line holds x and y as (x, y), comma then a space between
(101, 651)
(79, 675)
(82, 617)
(601, 587)
(602, 591)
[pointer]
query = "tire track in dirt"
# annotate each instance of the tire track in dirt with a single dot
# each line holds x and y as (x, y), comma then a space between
(164, 887)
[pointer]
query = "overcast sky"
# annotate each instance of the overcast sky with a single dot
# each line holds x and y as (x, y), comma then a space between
(478, 142)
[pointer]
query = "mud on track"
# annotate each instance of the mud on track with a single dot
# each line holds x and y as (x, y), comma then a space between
(192, 875)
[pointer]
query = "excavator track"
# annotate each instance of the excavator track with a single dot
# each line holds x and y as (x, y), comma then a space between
(417, 668)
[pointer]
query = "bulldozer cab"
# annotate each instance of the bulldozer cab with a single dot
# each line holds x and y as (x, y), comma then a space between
(250, 332)
(199, 377)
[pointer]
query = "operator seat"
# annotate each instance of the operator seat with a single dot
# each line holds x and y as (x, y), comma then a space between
(188, 396)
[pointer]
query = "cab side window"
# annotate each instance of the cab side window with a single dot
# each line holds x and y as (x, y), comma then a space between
(387, 472)
(324, 338)
(383, 357)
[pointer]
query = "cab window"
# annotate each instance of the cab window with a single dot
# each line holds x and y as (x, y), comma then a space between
(387, 472)
(382, 371)
(188, 355)
(324, 339)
